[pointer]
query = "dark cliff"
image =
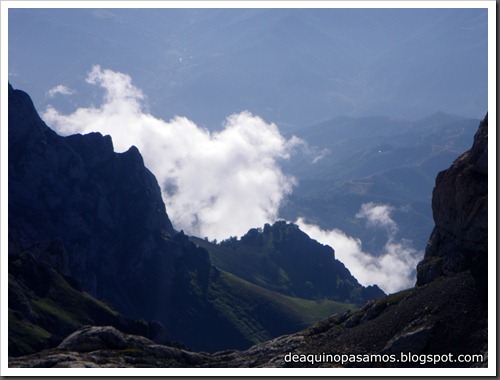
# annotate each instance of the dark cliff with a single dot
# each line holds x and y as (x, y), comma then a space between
(459, 240)
(55, 191)
(105, 209)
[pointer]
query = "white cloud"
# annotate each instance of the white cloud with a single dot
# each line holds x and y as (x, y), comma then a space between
(377, 215)
(215, 184)
(60, 89)
(393, 269)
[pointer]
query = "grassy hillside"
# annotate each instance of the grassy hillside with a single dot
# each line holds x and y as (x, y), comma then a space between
(261, 314)
(253, 264)
(235, 314)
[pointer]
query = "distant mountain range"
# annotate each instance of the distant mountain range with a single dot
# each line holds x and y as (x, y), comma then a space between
(351, 161)
(293, 67)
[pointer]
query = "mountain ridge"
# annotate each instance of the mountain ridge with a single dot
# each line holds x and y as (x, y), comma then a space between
(263, 256)
(117, 243)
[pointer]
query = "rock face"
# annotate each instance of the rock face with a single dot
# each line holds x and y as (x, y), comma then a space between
(99, 338)
(459, 240)
(101, 211)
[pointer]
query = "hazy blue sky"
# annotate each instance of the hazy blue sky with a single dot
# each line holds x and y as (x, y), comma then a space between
(290, 66)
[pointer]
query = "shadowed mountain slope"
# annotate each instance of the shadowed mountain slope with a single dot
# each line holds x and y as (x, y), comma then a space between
(45, 306)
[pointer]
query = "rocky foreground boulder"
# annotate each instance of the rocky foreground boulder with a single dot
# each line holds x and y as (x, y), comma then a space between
(105, 346)
(442, 322)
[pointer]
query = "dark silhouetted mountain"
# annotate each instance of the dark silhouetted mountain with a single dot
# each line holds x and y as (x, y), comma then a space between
(106, 208)
(98, 219)
(459, 240)
(282, 258)
(445, 315)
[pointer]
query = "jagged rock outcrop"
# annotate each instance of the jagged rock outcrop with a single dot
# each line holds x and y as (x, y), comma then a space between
(280, 257)
(459, 240)
(97, 216)
(105, 207)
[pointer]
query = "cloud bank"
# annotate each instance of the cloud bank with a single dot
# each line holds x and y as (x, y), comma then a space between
(393, 269)
(214, 184)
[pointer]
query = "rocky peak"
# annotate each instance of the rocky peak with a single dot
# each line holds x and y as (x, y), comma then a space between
(459, 240)
(104, 208)
(29, 122)
(283, 258)
(93, 148)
